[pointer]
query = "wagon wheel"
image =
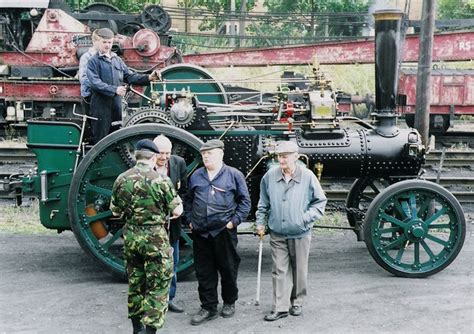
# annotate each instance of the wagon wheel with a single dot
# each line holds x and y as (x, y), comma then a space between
(156, 18)
(130, 28)
(361, 194)
(429, 224)
(98, 233)
(101, 7)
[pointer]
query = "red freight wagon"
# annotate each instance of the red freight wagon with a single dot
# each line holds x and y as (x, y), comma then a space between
(452, 94)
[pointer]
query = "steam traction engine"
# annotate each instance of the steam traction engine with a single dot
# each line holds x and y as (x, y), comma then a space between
(412, 228)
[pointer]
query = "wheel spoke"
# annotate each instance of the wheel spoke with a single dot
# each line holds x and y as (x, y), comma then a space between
(423, 207)
(193, 165)
(393, 220)
(436, 216)
(433, 226)
(374, 188)
(400, 253)
(435, 239)
(406, 209)
(400, 209)
(427, 249)
(367, 197)
(112, 240)
(413, 205)
(390, 229)
(395, 243)
(99, 216)
(417, 253)
(99, 190)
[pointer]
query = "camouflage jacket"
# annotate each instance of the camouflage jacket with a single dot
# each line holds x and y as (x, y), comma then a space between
(143, 196)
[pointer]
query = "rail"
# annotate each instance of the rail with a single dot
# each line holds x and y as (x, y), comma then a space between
(462, 187)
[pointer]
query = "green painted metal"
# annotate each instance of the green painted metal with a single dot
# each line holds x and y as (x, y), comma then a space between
(414, 228)
(92, 184)
(54, 144)
(186, 257)
(193, 78)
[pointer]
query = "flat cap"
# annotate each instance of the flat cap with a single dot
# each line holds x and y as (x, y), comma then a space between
(286, 147)
(105, 33)
(146, 145)
(212, 144)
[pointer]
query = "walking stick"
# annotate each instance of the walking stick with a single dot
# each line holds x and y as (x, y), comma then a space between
(259, 271)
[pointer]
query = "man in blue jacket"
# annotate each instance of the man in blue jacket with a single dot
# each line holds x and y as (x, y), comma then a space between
(291, 199)
(217, 203)
(107, 74)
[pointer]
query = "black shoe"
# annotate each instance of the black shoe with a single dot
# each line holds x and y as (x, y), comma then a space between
(228, 310)
(296, 310)
(202, 316)
(138, 327)
(172, 307)
(150, 330)
(275, 316)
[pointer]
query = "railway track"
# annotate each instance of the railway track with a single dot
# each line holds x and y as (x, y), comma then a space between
(455, 138)
(13, 157)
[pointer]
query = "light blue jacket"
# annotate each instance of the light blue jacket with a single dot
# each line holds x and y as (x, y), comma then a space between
(85, 85)
(290, 209)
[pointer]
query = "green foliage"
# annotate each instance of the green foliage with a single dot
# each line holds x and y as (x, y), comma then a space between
(313, 18)
(23, 219)
(126, 6)
(218, 11)
(456, 9)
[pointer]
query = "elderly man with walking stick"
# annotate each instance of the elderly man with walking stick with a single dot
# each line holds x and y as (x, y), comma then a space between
(291, 199)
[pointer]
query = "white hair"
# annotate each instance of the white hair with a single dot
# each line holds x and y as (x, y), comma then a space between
(162, 141)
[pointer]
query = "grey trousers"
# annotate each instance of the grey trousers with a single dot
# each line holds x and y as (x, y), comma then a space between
(289, 271)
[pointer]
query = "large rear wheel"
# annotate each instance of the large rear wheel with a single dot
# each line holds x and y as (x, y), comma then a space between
(97, 231)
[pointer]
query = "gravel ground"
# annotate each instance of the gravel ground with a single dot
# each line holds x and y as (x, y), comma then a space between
(48, 285)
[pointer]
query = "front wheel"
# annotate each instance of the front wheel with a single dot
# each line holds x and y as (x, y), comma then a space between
(414, 228)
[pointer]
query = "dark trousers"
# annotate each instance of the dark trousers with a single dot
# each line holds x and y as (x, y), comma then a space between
(107, 110)
(175, 246)
(86, 105)
(213, 256)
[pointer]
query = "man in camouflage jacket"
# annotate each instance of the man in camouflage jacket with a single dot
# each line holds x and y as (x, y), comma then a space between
(145, 199)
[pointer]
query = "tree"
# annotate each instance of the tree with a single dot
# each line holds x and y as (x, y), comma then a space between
(126, 6)
(215, 12)
(313, 18)
(456, 9)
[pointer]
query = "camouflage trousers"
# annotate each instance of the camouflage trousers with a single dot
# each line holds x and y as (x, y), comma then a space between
(149, 263)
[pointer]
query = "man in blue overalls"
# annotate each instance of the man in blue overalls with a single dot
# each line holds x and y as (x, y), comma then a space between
(107, 74)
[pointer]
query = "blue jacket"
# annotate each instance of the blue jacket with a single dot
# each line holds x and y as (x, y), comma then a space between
(210, 205)
(106, 74)
(290, 209)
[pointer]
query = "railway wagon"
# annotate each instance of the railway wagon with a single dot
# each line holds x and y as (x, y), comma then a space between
(452, 95)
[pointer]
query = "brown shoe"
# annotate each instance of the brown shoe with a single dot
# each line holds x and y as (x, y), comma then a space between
(275, 316)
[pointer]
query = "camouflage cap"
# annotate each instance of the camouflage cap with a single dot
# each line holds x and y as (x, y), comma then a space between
(146, 145)
(105, 33)
(212, 144)
(286, 147)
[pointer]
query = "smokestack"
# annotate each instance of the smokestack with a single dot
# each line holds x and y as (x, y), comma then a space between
(387, 54)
